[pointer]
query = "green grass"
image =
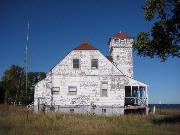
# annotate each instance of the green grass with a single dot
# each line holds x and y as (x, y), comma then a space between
(17, 121)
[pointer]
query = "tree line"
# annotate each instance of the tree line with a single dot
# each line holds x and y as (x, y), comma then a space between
(13, 85)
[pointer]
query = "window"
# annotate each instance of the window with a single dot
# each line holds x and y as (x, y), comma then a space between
(94, 63)
(123, 41)
(127, 91)
(116, 40)
(71, 110)
(104, 93)
(76, 63)
(134, 91)
(72, 90)
(104, 87)
(103, 110)
(118, 58)
(55, 90)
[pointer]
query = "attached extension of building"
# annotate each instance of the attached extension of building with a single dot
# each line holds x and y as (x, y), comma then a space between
(86, 81)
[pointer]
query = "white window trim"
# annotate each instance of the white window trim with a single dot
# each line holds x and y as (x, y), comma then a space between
(97, 64)
(103, 89)
(57, 90)
(116, 40)
(73, 63)
(72, 91)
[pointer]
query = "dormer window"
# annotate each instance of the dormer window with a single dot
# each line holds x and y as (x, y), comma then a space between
(94, 63)
(76, 63)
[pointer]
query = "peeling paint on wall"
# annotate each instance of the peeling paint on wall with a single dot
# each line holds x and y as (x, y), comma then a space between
(88, 81)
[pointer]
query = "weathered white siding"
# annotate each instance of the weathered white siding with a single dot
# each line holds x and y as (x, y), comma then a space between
(121, 53)
(88, 81)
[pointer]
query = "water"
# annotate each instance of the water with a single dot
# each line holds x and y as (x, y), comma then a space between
(166, 106)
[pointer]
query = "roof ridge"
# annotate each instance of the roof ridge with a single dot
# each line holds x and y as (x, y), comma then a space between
(120, 35)
(85, 46)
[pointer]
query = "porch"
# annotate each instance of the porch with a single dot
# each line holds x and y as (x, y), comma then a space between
(136, 99)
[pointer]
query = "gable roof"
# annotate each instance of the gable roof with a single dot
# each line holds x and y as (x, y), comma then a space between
(109, 58)
(120, 35)
(85, 46)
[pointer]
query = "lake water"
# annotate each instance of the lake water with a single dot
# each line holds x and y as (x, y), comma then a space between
(166, 106)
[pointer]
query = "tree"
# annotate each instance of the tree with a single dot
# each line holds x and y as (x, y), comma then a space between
(13, 83)
(33, 78)
(2, 94)
(164, 39)
(13, 86)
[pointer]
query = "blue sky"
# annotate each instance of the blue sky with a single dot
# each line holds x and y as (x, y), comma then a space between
(57, 26)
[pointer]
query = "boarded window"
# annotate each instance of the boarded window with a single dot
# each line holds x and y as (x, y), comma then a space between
(104, 87)
(72, 90)
(55, 90)
(76, 63)
(94, 63)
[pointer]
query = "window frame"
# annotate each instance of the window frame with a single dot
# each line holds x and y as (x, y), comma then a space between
(94, 60)
(73, 61)
(104, 110)
(71, 92)
(123, 41)
(53, 91)
(102, 89)
(117, 57)
(71, 110)
(116, 40)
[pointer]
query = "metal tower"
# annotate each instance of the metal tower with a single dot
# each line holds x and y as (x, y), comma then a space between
(26, 59)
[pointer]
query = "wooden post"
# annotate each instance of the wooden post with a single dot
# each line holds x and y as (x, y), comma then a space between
(146, 94)
(154, 109)
(139, 95)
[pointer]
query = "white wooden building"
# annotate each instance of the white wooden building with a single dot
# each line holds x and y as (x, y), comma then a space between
(86, 81)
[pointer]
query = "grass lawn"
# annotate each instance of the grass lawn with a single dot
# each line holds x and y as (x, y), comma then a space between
(18, 121)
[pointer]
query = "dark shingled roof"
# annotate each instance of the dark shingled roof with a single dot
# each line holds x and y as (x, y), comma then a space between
(120, 35)
(85, 46)
(109, 58)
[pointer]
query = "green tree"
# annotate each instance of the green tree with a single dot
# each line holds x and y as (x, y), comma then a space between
(164, 39)
(33, 78)
(2, 92)
(12, 85)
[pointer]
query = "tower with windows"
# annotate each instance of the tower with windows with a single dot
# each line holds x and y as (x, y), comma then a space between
(120, 47)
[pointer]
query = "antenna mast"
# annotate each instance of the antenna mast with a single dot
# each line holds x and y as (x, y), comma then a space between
(26, 58)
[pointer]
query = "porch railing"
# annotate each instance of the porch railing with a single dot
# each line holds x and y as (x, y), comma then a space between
(135, 100)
